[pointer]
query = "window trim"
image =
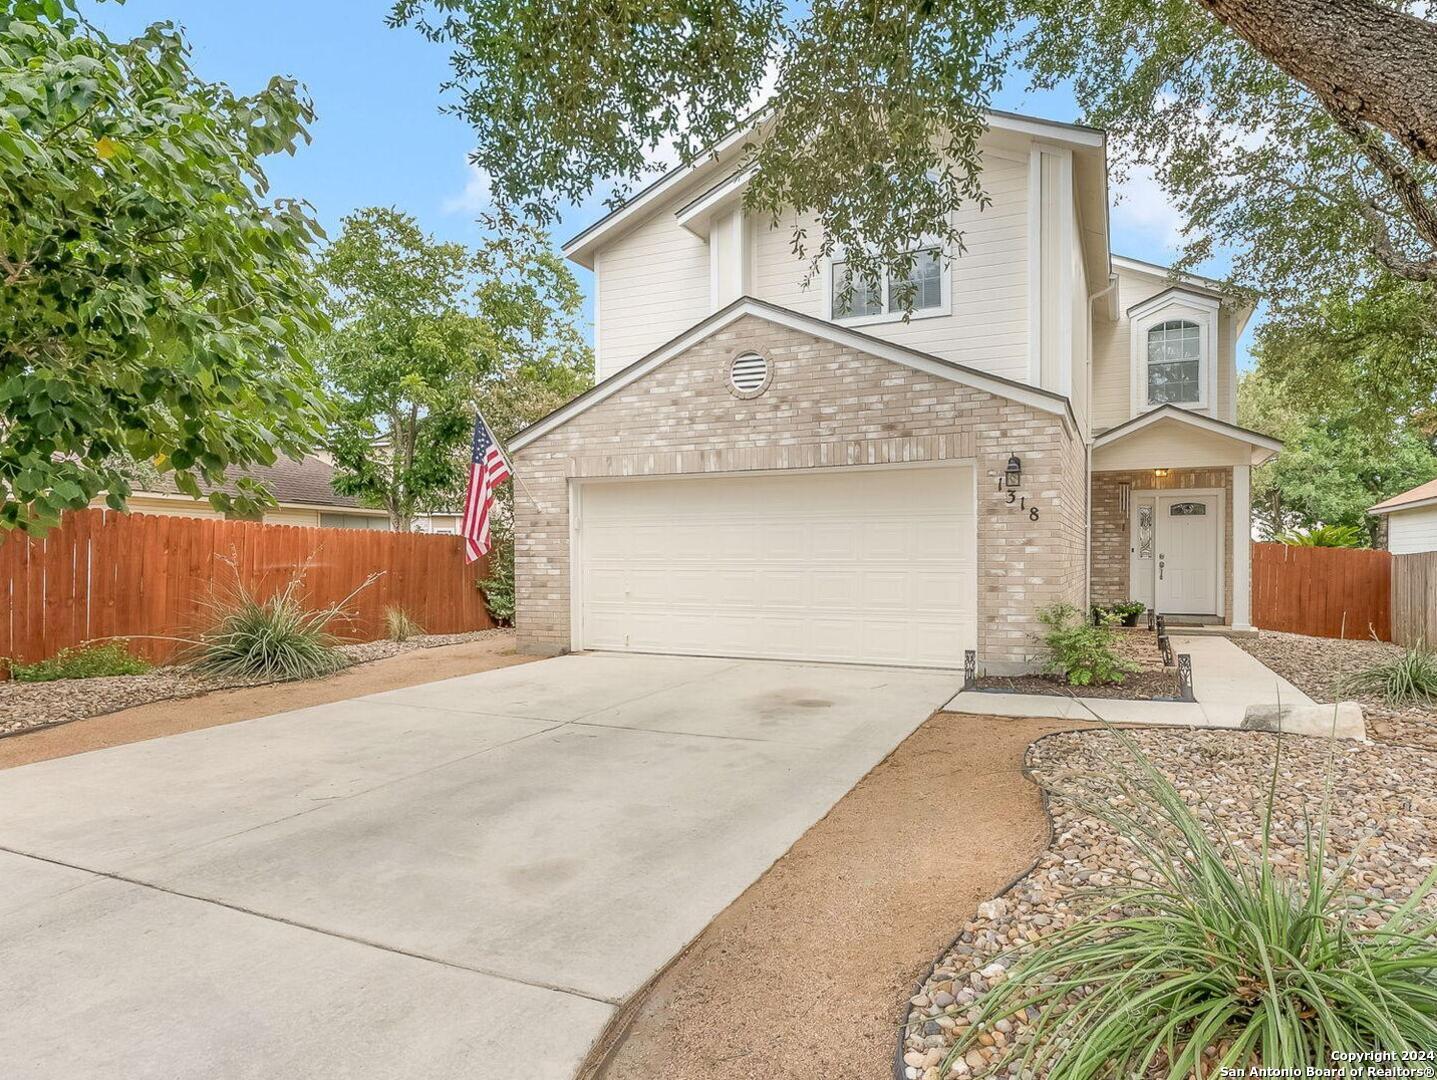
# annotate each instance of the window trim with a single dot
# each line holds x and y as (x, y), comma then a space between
(945, 292)
(1175, 305)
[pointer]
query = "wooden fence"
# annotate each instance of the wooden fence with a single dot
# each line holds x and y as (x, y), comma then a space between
(1414, 599)
(1325, 592)
(149, 578)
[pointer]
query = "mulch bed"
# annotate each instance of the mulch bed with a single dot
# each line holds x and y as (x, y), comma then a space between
(1383, 825)
(1151, 682)
(1318, 666)
(27, 706)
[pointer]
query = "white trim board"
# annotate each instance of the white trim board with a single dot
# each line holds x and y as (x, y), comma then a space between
(1043, 400)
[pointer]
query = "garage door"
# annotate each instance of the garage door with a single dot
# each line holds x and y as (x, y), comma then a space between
(857, 565)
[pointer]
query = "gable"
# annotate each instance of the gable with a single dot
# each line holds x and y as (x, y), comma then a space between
(779, 318)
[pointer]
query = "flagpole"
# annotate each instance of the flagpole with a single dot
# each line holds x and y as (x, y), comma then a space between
(513, 472)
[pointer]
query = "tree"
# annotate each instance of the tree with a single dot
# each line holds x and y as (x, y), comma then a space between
(426, 332)
(1334, 463)
(1306, 129)
(152, 307)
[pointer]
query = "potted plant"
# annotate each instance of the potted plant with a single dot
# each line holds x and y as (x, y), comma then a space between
(1129, 611)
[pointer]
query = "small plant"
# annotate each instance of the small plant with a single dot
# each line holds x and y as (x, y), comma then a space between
(1329, 536)
(498, 587)
(277, 638)
(1410, 679)
(1217, 963)
(1083, 653)
(399, 625)
(82, 662)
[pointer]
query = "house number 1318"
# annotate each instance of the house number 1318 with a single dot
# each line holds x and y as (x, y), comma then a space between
(1022, 502)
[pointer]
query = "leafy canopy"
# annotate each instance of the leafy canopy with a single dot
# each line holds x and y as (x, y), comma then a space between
(425, 333)
(152, 306)
(873, 114)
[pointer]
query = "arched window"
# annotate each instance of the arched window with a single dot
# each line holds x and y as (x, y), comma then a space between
(1174, 363)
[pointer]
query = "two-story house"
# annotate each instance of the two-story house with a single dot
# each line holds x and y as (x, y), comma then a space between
(766, 470)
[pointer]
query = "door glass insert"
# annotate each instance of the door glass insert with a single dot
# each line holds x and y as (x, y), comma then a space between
(1187, 509)
(1145, 532)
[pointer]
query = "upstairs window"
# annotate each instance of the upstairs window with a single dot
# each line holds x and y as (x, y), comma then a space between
(1174, 363)
(925, 278)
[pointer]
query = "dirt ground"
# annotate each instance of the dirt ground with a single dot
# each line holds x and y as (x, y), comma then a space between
(806, 973)
(227, 706)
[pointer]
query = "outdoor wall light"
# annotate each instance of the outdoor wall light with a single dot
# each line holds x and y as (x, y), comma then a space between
(1160, 472)
(1013, 474)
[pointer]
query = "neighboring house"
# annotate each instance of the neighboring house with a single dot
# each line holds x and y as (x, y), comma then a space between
(759, 473)
(305, 494)
(1411, 520)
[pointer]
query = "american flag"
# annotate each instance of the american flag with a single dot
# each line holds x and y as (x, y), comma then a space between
(488, 468)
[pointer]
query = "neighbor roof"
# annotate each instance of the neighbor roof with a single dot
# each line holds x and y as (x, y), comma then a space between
(1421, 495)
(308, 482)
(1046, 400)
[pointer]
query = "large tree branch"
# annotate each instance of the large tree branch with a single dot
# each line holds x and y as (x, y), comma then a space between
(1361, 58)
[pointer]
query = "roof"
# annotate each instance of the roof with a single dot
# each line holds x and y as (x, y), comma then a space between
(1089, 140)
(1421, 495)
(308, 482)
(1260, 442)
(1046, 400)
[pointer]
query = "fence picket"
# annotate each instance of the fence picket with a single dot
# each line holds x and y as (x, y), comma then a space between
(1324, 592)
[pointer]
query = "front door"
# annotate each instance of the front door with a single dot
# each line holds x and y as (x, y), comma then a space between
(1187, 554)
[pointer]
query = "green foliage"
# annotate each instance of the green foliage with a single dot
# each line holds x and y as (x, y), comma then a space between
(272, 638)
(1080, 651)
(1410, 679)
(1334, 465)
(1329, 536)
(498, 587)
(82, 662)
(1218, 951)
(152, 306)
(426, 332)
(399, 625)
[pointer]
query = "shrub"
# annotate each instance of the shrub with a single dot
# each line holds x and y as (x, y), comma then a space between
(1331, 536)
(1081, 652)
(82, 662)
(498, 587)
(1217, 953)
(1410, 679)
(399, 625)
(276, 638)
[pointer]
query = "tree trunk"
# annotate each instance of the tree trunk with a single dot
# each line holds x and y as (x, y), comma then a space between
(1363, 59)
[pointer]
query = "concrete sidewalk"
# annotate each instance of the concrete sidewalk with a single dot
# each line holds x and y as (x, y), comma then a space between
(1226, 680)
(459, 879)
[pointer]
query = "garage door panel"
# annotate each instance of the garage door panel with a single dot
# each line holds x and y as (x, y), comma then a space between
(860, 566)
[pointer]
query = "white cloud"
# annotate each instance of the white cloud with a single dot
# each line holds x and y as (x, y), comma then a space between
(1142, 208)
(475, 198)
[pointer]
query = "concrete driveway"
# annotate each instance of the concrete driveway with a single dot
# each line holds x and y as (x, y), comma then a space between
(459, 879)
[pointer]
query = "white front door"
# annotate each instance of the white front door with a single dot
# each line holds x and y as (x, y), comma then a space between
(1187, 554)
(869, 565)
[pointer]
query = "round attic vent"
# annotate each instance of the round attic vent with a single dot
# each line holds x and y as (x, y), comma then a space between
(748, 374)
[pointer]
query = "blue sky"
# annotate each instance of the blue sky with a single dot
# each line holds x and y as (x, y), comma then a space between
(380, 139)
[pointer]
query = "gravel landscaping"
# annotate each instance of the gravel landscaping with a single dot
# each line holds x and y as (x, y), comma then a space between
(1317, 666)
(27, 706)
(1384, 818)
(1151, 682)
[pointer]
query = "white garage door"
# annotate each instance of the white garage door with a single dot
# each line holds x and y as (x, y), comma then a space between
(860, 565)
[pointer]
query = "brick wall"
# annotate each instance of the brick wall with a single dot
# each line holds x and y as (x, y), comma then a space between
(826, 406)
(1112, 543)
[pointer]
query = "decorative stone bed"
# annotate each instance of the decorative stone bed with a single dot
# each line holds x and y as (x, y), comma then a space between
(27, 706)
(1384, 817)
(1153, 681)
(1317, 667)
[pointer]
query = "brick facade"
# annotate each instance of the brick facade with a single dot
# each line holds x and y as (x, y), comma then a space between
(1112, 544)
(827, 406)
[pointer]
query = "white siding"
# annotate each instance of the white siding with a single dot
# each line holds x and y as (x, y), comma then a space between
(655, 286)
(988, 326)
(1412, 531)
(1112, 356)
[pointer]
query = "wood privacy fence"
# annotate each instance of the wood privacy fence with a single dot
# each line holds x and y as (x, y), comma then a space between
(1414, 599)
(1325, 592)
(102, 574)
